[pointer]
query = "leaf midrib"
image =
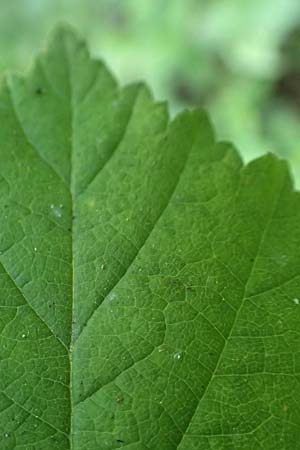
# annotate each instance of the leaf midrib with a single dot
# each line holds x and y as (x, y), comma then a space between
(72, 209)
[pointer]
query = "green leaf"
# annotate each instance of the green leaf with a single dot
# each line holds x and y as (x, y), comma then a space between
(149, 281)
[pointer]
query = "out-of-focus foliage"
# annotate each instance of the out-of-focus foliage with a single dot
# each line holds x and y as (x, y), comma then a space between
(241, 60)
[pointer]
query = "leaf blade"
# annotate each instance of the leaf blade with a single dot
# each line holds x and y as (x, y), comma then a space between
(149, 279)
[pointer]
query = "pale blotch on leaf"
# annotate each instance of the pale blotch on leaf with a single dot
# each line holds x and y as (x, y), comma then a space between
(111, 297)
(296, 301)
(57, 211)
(91, 203)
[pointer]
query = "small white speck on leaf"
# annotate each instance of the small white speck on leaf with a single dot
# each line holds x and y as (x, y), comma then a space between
(102, 266)
(35, 249)
(23, 336)
(296, 301)
(177, 356)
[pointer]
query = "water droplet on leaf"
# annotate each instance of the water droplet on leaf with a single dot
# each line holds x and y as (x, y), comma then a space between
(177, 356)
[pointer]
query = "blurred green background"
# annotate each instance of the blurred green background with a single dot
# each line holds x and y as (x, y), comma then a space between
(238, 59)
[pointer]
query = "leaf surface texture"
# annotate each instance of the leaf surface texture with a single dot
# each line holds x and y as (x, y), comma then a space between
(150, 282)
